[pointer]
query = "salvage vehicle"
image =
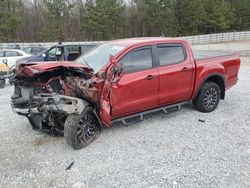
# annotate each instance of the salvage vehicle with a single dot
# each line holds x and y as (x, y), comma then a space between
(61, 52)
(119, 81)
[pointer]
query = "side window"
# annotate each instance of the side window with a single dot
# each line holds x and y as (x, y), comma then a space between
(170, 54)
(60, 54)
(55, 54)
(137, 60)
(51, 55)
(52, 52)
(11, 54)
(59, 50)
(73, 52)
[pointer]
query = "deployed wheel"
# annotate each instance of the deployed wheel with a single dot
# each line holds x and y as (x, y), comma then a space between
(80, 130)
(2, 83)
(208, 98)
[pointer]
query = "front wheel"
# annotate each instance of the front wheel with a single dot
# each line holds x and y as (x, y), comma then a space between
(208, 98)
(81, 130)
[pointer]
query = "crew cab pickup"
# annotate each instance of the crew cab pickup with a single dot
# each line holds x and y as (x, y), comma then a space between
(120, 80)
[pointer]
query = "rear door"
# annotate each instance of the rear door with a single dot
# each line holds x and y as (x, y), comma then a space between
(137, 88)
(176, 73)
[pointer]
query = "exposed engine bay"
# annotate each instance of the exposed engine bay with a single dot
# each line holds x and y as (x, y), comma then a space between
(47, 98)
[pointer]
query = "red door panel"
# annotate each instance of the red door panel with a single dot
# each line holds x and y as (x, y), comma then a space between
(135, 92)
(175, 82)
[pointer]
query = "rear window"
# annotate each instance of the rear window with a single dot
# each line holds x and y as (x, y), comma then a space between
(170, 54)
(1, 53)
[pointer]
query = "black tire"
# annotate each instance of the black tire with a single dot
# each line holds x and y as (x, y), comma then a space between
(208, 97)
(2, 83)
(81, 130)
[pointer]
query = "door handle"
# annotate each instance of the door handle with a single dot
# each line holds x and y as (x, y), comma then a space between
(185, 69)
(150, 77)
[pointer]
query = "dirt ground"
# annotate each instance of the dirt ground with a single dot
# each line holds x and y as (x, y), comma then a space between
(181, 149)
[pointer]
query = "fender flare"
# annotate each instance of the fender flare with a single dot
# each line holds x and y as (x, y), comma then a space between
(207, 78)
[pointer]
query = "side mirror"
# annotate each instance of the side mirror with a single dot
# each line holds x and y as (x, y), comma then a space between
(44, 55)
(117, 69)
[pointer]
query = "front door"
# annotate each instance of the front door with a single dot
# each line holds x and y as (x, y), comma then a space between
(137, 88)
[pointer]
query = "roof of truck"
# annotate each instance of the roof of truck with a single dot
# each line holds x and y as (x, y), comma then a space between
(142, 40)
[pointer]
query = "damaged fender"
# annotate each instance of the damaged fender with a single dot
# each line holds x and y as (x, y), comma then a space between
(113, 74)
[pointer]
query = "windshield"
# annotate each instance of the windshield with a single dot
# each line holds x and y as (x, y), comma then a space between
(99, 56)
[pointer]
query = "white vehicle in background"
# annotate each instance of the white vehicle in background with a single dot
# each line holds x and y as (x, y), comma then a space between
(10, 56)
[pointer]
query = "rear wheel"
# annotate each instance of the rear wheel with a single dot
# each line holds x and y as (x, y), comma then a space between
(208, 98)
(81, 130)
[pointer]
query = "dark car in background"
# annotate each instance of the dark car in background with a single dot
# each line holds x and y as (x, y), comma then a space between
(59, 53)
(34, 49)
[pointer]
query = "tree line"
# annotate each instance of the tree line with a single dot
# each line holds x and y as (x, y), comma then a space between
(80, 20)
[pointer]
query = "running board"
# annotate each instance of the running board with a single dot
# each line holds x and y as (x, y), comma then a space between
(141, 114)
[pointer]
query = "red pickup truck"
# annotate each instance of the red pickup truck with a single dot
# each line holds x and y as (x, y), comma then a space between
(119, 81)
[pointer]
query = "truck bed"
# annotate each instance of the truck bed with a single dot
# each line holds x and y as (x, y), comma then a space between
(203, 54)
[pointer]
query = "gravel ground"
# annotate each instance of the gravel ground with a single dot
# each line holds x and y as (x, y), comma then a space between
(174, 150)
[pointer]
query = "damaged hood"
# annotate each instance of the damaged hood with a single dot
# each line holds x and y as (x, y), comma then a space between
(33, 69)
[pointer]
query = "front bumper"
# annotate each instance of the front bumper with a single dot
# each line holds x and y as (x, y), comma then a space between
(20, 111)
(50, 102)
(24, 111)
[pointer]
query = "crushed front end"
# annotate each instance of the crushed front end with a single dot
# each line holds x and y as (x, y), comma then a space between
(47, 94)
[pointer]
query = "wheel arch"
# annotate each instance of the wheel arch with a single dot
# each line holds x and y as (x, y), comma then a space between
(216, 78)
